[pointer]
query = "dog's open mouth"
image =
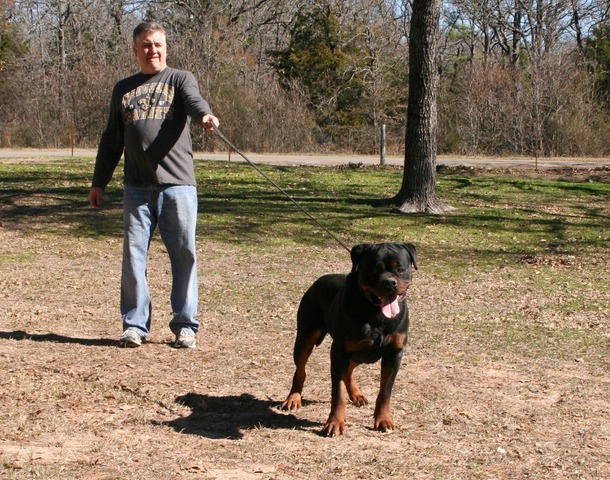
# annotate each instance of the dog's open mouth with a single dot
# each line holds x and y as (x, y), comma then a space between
(389, 304)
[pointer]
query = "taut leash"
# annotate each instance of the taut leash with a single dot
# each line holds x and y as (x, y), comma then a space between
(253, 165)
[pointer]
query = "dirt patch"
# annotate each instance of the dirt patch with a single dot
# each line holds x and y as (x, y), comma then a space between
(592, 173)
(471, 401)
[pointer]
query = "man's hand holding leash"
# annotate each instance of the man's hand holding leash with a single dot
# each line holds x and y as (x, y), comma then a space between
(209, 122)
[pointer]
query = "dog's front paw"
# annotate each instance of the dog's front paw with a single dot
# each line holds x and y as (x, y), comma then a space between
(334, 427)
(293, 402)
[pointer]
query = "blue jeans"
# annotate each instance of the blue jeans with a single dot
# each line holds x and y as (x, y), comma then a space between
(174, 210)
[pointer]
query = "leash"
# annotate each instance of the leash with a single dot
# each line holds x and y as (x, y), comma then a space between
(253, 165)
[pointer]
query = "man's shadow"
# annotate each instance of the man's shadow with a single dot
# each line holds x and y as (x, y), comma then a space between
(227, 417)
(53, 337)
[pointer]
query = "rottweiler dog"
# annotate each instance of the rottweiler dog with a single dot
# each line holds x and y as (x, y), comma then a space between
(365, 313)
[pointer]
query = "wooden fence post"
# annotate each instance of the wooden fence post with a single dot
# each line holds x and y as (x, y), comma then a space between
(382, 144)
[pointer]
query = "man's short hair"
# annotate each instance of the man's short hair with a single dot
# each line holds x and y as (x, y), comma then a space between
(147, 27)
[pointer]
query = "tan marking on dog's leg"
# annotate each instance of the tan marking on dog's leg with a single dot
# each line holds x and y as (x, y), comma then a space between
(335, 425)
(382, 415)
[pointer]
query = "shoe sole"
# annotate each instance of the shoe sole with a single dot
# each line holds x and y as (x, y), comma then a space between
(128, 344)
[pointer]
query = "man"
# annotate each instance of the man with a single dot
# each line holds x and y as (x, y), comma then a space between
(150, 116)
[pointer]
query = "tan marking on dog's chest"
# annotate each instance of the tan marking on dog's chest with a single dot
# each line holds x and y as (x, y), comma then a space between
(355, 346)
(394, 340)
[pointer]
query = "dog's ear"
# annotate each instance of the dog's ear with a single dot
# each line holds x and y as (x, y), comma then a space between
(356, 254)
(409, 247)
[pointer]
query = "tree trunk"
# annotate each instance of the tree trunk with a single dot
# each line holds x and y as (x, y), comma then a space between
(418, 191)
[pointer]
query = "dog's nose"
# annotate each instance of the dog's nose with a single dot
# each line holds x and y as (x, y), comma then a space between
(391, 284)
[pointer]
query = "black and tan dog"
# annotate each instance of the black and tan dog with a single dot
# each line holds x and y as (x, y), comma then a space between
(365, 313)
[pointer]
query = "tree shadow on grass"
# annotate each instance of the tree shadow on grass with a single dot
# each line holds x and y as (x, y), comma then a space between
(60, 210)
(237, 207)
(228, 416)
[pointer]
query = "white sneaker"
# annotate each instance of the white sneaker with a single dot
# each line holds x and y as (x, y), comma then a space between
(185, 339)
(130, 338)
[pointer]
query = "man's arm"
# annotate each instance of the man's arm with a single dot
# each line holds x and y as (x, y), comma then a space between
(196, 107)
(109, 152)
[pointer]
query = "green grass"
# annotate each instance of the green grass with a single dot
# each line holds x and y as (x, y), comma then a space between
(496, 217)
(544, 239)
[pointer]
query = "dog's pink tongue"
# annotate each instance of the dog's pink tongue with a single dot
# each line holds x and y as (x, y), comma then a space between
(389, 306)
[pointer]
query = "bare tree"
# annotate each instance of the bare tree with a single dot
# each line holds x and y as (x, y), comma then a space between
(508, 71)
(418, 191)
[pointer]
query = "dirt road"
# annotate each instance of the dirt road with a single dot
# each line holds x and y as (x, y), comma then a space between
(314, 159)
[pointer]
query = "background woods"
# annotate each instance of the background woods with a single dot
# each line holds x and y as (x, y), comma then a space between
(516, 76)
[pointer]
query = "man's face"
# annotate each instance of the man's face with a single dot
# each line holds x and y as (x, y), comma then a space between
(151, 51)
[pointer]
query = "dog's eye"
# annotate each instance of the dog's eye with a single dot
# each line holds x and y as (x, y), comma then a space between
(401, 270)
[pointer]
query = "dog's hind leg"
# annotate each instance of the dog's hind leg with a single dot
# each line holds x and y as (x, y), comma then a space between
(303, 346)
(310, 333)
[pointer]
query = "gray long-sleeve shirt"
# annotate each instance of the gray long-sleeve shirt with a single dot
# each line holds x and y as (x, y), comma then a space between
(149, 121)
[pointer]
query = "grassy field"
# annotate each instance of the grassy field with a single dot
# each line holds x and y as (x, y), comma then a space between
(507, 370)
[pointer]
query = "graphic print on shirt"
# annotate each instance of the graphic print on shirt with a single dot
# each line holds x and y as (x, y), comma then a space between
(148, 101)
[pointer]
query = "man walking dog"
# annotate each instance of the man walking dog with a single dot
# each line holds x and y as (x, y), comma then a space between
(149, 122)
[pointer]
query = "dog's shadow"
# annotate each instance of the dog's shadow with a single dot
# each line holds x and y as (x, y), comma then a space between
(229, 416)
(212, 417)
